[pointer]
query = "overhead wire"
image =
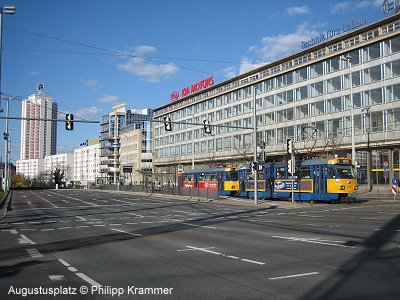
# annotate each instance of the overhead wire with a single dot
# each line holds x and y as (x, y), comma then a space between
(118, 53)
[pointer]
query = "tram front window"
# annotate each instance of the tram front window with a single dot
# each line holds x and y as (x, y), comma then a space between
(232, 176)
(345, 172)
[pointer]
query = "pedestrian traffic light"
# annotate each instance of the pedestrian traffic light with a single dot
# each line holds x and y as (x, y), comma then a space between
(207, 127)
(289, 146)
(167, 124)
(69, 122)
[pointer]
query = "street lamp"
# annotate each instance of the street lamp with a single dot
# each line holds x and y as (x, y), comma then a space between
(3, 10)
(348, 58)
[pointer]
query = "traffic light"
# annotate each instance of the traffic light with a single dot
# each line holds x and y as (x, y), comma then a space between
(207, 127)
(289, 146)
(167, 124)
(69, 122)
(254, 165)
(291, 166)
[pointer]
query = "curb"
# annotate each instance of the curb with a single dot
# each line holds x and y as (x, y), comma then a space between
(5, 205)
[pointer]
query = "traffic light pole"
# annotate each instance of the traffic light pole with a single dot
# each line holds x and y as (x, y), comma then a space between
(255, 147)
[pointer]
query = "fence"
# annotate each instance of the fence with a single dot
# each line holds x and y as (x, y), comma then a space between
(192, 192)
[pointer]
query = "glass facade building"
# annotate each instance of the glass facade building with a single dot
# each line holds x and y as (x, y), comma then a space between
(306, 97)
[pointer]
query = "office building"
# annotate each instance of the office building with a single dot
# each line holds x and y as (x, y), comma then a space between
(309, 97)
(110, 129)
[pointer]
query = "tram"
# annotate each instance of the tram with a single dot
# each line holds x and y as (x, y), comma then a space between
(322, 179)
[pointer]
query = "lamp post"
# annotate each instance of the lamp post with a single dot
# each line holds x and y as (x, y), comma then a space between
(5, 10)
(348, 58)
(10, 10)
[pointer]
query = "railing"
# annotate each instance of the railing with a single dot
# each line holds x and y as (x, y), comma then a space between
(191, 192)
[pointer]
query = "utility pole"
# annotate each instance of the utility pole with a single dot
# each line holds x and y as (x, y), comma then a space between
(255, 169)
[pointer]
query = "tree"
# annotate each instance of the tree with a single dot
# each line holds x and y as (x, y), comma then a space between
(58, 176)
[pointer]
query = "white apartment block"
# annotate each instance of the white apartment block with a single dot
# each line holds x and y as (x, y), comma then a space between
(38, 138)
(87, 164)
(63, 161)
(30, 168)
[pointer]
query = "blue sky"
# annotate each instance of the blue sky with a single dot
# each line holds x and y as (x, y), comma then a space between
(93, 54)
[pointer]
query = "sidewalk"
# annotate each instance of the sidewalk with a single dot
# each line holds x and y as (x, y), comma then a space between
(380, 192)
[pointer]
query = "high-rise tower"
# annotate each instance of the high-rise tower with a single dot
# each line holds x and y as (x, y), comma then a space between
(38, 137)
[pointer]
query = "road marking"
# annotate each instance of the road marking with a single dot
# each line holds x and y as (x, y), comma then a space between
(208, 227)
(48, 229)
(13, 231)
(81, 275)
(64, 262)
(44, 199)
(293, 276)
(27, 239)
(224, 255)
(80, 218)
(252, 261)
(56, 277)
(34, 253)
(72, 269)
(88, 279)
(314, 241)
(130, 233)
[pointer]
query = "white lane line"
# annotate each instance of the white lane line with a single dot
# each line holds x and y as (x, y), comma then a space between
(48, 229)
(314, 241)
(293, 276)
(80, 218)
(130, 233)
(12, 231)
(44, 199)
(89, 203)
(218, 253)
(72, 269)
(252, 261)
(88, 279)
(209, 227)
(27, 239)
(34, 253)
(56, 277)
(64, 262)
(81, 275)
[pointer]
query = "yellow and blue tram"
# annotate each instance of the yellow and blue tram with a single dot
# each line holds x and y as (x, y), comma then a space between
(324, 179)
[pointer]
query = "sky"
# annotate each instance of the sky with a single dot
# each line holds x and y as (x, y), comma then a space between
(94, 54)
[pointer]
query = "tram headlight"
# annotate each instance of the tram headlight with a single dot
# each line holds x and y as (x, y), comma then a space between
(356, 187)
(342, 187)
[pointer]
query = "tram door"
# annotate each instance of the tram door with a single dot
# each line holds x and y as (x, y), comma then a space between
(319, 180)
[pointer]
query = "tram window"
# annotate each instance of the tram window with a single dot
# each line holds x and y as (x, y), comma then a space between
(346, 172)
(304, 172)
(232, 176)
(281, 173)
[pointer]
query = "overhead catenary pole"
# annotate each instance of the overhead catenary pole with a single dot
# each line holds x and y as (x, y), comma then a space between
(255, 171)
(6, 153)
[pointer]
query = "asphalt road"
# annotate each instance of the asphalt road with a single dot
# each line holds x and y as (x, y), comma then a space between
(110, 245)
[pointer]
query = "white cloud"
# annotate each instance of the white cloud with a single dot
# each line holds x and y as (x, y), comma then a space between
(92, 84)
(89, 111)
(147, 69)
(348, 6)
(247, 65)
(228, 72)
(34, 73)
(108, 99)
(275, 47)
(298, 10)
(340, 7)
